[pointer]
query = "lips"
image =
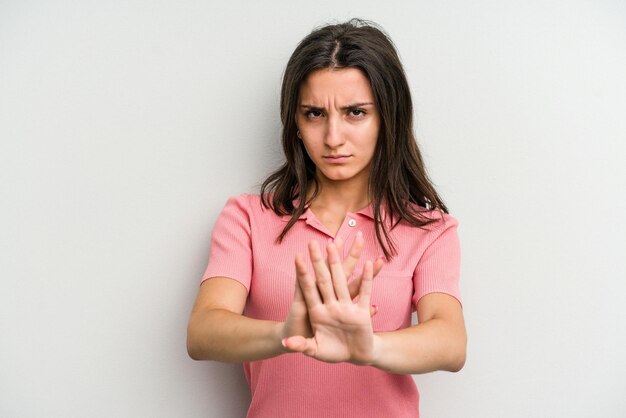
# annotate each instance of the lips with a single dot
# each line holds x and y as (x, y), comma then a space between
(335, 159)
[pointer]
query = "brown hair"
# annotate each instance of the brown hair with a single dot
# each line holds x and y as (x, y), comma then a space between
(398, 179)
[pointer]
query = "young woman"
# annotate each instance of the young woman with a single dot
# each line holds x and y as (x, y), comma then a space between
(312, 283)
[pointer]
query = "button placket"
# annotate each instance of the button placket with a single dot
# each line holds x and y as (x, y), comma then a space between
(346, 232)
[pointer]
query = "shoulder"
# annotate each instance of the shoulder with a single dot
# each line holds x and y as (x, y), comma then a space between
(436, 219)
(437, 224)
(244, 199)
(441, 220)
(250, 204)
(442, 233)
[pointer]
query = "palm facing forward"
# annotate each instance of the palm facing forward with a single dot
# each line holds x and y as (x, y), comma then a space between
(341, 328)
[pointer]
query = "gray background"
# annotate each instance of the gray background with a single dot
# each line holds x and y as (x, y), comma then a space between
(125, 125)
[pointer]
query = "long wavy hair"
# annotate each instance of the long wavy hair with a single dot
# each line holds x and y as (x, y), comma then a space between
(398, 184)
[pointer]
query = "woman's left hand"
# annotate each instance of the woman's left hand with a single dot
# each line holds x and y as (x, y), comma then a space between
(342, 328)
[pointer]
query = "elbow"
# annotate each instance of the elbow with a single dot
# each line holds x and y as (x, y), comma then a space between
(194, 347)
(203, 337)
(193, 352)
(456, 363)
(457, 356)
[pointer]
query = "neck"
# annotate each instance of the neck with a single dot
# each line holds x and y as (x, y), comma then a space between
(342, 196)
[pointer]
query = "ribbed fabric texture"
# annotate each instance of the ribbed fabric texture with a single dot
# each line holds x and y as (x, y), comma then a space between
(244, 248)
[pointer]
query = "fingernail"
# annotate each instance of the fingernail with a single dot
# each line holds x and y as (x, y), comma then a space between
(283, 342)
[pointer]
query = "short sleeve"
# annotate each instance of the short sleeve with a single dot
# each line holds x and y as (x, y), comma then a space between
(438, 270)
(231, 249)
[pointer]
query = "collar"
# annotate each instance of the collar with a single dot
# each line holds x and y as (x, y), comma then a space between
(367, 211)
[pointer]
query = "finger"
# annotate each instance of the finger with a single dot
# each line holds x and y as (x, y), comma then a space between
(298, 296)
(306, 284)
(300, 344)
(355, 284)
(378, 265)
(337, 275)
(339, 244)
(365, 293)
(322, 274)
(373, 310)
(355, 253)
(353, 287)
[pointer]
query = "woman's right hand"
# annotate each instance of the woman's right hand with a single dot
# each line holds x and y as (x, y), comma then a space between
(297, 322)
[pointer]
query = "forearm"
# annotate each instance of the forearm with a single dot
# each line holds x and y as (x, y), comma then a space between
(221, 335)
(433, 345)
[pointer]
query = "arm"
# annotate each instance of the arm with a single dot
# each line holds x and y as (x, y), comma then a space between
(438, 342)
(217, 330)
(343, 330)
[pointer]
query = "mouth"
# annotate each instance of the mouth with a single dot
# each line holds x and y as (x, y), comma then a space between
(336, 158)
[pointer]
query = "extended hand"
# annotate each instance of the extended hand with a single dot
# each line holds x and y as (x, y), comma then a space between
(341, 329)
(297, 322)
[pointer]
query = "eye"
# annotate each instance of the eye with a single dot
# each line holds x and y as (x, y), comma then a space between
(358, 113)
(313, 113)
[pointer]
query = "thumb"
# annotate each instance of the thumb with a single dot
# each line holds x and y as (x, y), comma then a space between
(299, 344)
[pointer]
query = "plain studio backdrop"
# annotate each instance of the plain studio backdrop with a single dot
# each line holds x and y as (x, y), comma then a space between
(125, 126)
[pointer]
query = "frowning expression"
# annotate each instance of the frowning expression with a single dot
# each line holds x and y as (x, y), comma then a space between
(338, 123)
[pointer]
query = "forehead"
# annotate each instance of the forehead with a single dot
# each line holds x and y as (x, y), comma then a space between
(342, 84)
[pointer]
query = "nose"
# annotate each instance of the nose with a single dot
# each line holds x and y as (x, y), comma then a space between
(334, 137)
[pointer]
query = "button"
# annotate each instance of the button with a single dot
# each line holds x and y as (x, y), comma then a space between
(352, 222)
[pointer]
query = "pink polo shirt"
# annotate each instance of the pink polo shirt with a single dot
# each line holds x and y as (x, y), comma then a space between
(244, 248)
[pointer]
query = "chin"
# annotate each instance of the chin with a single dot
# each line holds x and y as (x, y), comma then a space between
(338, 176)
(341, 173)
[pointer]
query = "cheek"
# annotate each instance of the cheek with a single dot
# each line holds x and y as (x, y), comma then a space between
(372, 138)
(309, 149)
(374, 129)
(311, 139)
(368, 132)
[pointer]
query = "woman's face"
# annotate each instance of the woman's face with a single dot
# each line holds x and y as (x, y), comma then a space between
(338, 123)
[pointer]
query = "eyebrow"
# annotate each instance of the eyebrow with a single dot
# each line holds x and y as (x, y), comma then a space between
(346, 107)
